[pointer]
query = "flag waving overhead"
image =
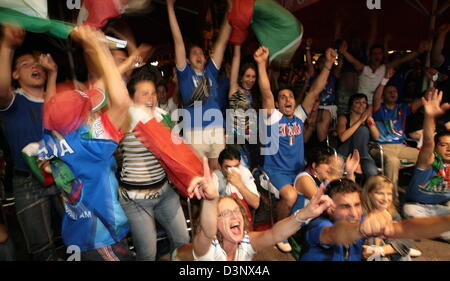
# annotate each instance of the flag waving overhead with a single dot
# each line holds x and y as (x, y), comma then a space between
(31, 15)
(274, 26)
(277, 29)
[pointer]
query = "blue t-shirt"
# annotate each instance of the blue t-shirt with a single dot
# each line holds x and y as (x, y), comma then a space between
(188, 81)
(314, 250)
(422, 189)
(392, 123)
(285, 151)
(23, 125)
(93, 216)
(328, 95)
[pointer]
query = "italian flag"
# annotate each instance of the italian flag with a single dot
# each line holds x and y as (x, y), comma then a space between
(275, 27)
(30, 155)
(32, 16)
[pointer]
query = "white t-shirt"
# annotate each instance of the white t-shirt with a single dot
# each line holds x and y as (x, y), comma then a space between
(369, 81)
(226, 188)
(244, 251)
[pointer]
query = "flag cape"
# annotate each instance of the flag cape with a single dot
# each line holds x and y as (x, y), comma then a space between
(178, 159)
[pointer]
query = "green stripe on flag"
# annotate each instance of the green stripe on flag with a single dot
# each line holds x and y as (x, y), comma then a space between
(55, 28)
(277, 29)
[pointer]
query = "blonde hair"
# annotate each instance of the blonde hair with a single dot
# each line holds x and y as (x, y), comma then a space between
(372, 184)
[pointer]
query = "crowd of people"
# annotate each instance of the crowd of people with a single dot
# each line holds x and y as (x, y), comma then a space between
(332, 134)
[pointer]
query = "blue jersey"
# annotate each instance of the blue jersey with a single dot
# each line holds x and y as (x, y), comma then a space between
(392, 123)
(188, 81)
(431, 186)
(315, 250)
(93, 215)
(23, 125)
(328, 95)
(286, 152)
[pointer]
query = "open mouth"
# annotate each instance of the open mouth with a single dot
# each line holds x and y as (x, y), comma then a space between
(149, 105)
(235, 228)
(36, 74)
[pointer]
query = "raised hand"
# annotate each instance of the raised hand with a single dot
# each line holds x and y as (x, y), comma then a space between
(389, 73)
(318, 204)
(261, 55)
(376, 224)
(89, 37)
(433, 107)
(203, 187)
(424, 46)
(331, 55)
(352, 162)
(12, 36)
(344, 47)
(48, 63)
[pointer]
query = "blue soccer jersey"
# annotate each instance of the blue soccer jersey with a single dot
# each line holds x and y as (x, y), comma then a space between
(93, 215)
(392, 123)
(285, 151)
(188, 81)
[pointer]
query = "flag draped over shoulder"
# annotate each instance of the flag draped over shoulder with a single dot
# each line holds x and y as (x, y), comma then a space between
(32, 16)
(178, 159)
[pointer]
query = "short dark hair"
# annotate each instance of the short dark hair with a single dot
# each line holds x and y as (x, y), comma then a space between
(376, 46)
(320, 155)
(229, 153)
(439, 135)
(282, 86)
(356, 97)
(144, 73)
(342, 186)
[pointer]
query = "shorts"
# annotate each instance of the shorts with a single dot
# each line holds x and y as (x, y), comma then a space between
(281, 179)
(207, 142)
(331, 108)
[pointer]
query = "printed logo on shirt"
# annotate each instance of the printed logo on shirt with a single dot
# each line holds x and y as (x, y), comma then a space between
(290, 129)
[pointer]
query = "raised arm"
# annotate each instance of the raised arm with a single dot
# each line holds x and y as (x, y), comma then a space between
(319, 84)
(290, 225)
(433, 109)
(378, 95)
(180, 51)
(12, 38)
(51, 67)
(93, 42)
(308, 47)
(221, 42)
(261, 55)
(437, 58)
(356, 63)
(235, 64)
(204, 188)
(424, 46)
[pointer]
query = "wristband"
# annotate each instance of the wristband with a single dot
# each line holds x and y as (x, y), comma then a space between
(370, 123)
(384, 81)
(300, 221)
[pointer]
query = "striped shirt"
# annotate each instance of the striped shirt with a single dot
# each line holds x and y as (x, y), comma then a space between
(140, 167)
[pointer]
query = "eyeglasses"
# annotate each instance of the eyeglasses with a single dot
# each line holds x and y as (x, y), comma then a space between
(228, 212)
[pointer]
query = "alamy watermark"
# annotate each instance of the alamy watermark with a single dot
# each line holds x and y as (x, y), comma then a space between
(242, 127)
(73, 4)
(374, 4)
